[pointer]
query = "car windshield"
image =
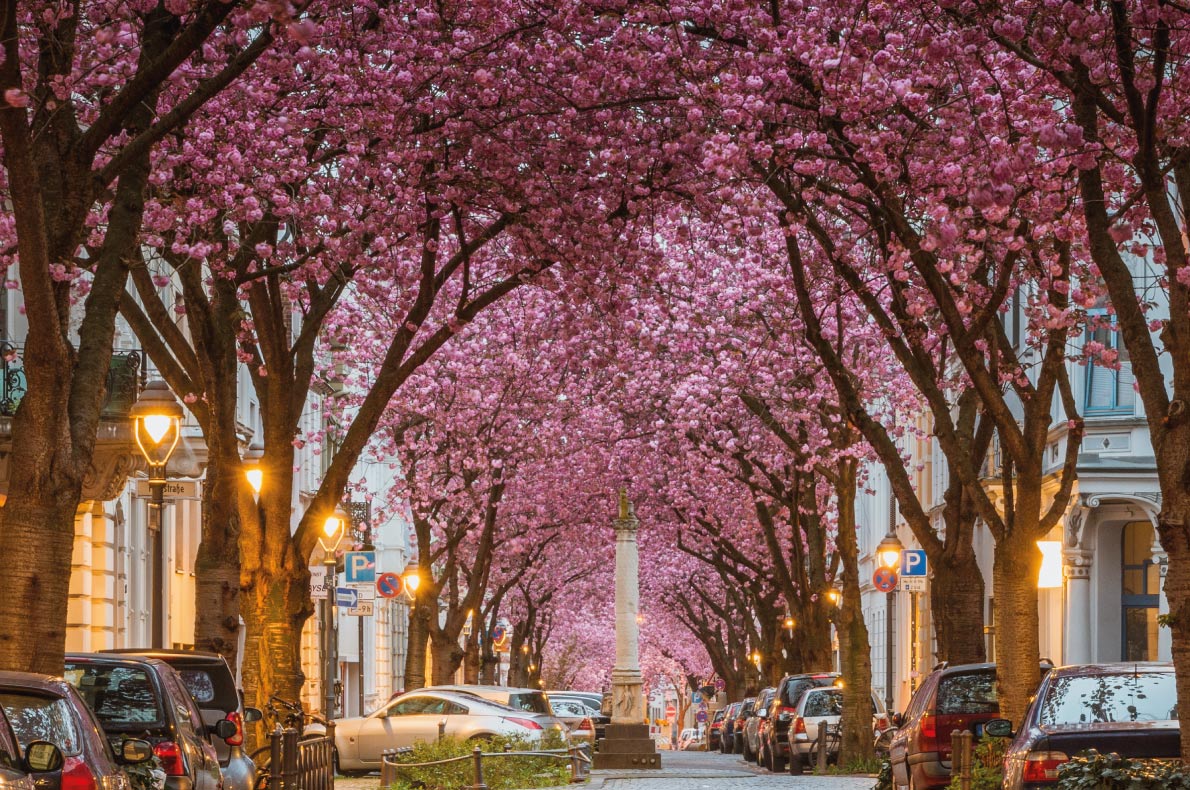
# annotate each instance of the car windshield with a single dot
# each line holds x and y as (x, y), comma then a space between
(1096, 699)
(35, 717)
(530, 702)
(968, 692)
(123, 697)
(569, 708)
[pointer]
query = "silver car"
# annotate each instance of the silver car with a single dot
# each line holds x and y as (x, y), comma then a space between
(420, 716)
(816, 706)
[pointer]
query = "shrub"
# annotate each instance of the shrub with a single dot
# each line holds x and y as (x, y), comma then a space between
(987, 765)
(884, 779)
(1094, 771)
(500, 773)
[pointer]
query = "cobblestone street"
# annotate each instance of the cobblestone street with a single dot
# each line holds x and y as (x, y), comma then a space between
(688, 771)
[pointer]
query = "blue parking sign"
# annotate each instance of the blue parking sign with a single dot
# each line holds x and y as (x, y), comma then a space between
(913, 563)
(359, 567)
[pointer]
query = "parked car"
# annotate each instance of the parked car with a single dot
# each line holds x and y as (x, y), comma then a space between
(715, 730)
(577, 718)
(961, 697)
(145, 698)
(690, 740)
(774, 742)
(524, 699)
(815, 706)
(45, 708)
(415, 717)
(747, 708)
(594, 703)
(727, 733)
(1130, 709)
(211, 682)
(754, 726)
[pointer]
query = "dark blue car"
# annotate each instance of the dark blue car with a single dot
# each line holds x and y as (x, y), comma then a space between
(1129, 709)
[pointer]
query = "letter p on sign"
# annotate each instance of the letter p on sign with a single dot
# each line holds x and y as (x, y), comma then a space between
(913, 563)
(359, 567)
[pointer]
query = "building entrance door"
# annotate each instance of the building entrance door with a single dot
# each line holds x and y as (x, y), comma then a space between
(1141, 590)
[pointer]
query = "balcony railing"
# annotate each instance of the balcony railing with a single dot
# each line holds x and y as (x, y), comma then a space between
(125, 377)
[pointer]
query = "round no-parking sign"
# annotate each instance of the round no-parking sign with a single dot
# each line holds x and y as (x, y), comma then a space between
(389, 585)
(884, 580)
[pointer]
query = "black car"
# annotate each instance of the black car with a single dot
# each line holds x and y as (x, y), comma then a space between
(727, 733)
(210, 681)
(1130, 709)
(20, 767)
(774, 744)
(45, 708)
(737, 732)
(145, 698)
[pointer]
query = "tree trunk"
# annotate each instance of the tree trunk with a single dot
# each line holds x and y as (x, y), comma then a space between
(274, 609)
(217, 565)
(956, 607)
(855, 651)
(1175, 542)
(1018, 649)
(472, 661)
(419, 637)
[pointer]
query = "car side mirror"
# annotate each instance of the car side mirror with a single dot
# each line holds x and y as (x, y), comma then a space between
(135, 751)
(998, 728)
(225, 729)
(253, 715)
(42, 757)
(898, 720)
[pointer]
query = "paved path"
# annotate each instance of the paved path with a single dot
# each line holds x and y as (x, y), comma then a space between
(714, 771)
(690, 771)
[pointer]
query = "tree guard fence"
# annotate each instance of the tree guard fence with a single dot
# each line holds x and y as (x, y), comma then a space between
(391, 767)
(301, 763)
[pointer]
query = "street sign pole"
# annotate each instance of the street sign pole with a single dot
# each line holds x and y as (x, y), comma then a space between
(330, 644)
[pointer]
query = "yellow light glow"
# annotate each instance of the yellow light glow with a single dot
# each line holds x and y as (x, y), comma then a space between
(839, 683)
(332, 525)
(1050, 576)
(157, 426)
(788, 622)
(412, 582)
(890, 558)
(833, 596)
(524, 648)
(255, 477)
(756, 658)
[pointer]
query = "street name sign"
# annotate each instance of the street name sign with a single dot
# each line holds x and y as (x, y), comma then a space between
(913, 584)
(913, 563)
(346, 596)
(361, 609)
(359, 567)
(174, 489)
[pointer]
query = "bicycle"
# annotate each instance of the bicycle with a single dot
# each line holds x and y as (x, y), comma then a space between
(290, 715)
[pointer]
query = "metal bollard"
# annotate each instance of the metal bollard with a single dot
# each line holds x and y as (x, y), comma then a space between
(508, 747)
(275, 758)
(572, 750)
(966, 778)
(822, 733)
(479, 783)
(441, 729)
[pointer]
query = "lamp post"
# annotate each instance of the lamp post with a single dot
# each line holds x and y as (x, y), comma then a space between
(157, 421)
(888, 554)
(332, 533)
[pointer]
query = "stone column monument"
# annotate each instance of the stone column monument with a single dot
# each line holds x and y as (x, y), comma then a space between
(627, 743)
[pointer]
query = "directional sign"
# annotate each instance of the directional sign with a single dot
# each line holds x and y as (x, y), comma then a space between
(389, 585)
(913, 563)
(884, 580)
(913, 584)
(361, 609)
(346, 596)
(359, 567)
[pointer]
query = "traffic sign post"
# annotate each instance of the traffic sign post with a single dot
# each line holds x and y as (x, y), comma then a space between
(913, 563)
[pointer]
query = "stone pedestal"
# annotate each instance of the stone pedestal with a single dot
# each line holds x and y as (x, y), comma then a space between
(628, 744)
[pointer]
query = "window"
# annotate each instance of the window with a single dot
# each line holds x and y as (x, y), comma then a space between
(123, 697)
(1109, 391)
(823, 703)
(973, 692)
(1140, 592)
(35, 717)
(411, 706)
(1093, 699)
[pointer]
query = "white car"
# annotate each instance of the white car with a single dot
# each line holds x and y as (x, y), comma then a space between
(419, 717)
(816, 706)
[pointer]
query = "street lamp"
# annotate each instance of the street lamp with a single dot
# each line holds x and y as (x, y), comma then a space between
(888, 553)
(157, 426)
(332, 534)
(255, 477)
(788, 622)
(412, 578)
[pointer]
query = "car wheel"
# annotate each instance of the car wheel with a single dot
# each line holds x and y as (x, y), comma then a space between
(797, 765)
(776, 762)
(749, 757)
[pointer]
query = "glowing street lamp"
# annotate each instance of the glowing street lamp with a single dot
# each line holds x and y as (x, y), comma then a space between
(255, 475)
(788, 622)
(329, 538)
(411, 578)
(888, 553)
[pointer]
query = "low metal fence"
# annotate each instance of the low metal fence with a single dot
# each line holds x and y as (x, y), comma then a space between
(578, 757)
(301, 763)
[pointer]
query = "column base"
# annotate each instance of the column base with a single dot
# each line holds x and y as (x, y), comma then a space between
(627, 747)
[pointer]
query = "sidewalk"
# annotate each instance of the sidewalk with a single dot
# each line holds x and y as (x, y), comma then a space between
(714, 771)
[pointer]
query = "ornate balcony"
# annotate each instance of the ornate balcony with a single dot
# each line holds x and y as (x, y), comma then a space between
(125, 377)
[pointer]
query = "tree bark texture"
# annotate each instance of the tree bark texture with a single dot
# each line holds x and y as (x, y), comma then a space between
(855, 651)
(956, 606)
(419, 638)
(1018, 647)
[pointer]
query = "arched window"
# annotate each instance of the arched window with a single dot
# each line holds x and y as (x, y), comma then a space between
(1141, 589)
